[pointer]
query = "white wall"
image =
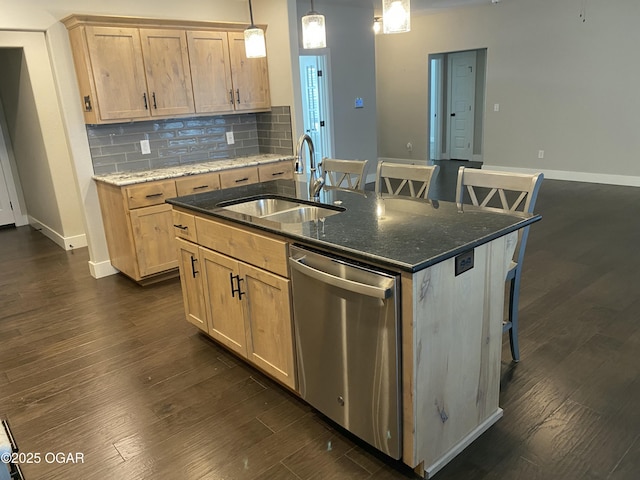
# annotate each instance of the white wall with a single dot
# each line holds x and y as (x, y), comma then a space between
(351, 54)
(564, 86)
(44, 15)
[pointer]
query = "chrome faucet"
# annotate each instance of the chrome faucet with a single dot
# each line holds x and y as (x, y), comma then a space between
(315, 182)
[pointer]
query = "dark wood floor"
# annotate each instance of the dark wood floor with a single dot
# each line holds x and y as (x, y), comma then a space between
(111, 370)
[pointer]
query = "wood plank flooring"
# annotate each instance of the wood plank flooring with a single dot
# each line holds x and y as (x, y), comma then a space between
(112, 370)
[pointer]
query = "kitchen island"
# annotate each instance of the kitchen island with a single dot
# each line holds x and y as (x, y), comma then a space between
(452, 267)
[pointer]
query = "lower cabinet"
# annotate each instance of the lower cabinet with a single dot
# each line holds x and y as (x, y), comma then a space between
(191, 282)
(243, 307)
(138, 223)
(153, 239)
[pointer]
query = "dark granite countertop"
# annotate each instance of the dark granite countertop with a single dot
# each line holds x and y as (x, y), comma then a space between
(399, 232)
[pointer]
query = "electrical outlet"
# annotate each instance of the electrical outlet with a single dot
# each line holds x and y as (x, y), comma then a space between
(463, 262)
(230, 139)
(496, 107)
(409, 147)
(144, 146)
(540, 153)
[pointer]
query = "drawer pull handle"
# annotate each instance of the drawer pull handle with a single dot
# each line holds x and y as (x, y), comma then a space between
(275, 174)
(181, 227)
(238, 95)
(155, 105)
(231, 96)
(151, 195)
(242, 179)
(146, 106)
(201, 187)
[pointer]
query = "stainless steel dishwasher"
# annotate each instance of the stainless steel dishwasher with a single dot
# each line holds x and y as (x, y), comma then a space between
(347, 351)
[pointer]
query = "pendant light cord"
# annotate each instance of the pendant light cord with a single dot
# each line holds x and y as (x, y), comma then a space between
(251, 14)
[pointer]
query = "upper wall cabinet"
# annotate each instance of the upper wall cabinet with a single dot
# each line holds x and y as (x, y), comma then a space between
(133, 69)
(166, 63)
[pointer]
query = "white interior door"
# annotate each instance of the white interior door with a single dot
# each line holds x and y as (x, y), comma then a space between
(315, 104)
(435, 109)
(6, 212)
(462, 88)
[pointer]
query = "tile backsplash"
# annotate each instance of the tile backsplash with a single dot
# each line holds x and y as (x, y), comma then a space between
(116, 148)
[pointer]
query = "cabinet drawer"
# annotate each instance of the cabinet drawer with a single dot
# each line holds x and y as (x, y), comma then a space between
(184, 226)
(205, 182)
(152, 193)
(263, 252)
(239, 176)
(276, 171)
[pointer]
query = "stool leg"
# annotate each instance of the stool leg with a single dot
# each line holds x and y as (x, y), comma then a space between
(514, 297)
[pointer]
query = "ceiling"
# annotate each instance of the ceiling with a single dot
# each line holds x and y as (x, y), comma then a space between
(421, 6)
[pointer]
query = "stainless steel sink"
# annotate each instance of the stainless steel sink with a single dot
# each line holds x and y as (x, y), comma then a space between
(281, 210)
(262, 206)
(305, 213)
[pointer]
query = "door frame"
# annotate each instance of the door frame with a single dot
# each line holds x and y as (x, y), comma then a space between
(477, 135)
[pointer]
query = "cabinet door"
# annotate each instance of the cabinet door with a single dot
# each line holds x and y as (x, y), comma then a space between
(268, 323)
(210, 71)
(191, 281)
(153, 238)
(249, 75)
(166, 62)
(224, 307)
(118, 72)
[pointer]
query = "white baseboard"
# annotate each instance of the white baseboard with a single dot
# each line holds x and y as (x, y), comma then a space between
(102, 269)
(609, 179)
(66, 243)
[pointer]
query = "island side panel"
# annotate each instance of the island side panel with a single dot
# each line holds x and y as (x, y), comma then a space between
(408, 380)
(457, 330)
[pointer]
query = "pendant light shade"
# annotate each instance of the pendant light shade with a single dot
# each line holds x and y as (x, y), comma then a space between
(254, 44)
(314, 34)
(396, 16)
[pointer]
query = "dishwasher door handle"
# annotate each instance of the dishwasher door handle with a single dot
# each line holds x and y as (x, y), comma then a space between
(350, 285)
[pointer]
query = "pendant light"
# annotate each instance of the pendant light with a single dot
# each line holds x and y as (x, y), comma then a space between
(396, 16)
(377, 25)
(254, 45)
(314, 34)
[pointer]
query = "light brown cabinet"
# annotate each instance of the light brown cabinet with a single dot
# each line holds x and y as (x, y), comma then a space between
(140, 227)
(211, 71)
(224, 79)
(242, 278)
(110, 73)
(191, 281)
(134, 69)
(250, 76)
(168, 74)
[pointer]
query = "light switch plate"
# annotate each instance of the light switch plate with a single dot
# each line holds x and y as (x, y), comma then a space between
(230, 139)
(144, 146)
(359, 103)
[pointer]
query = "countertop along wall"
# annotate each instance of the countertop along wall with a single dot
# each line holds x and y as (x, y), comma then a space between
(564, 85)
